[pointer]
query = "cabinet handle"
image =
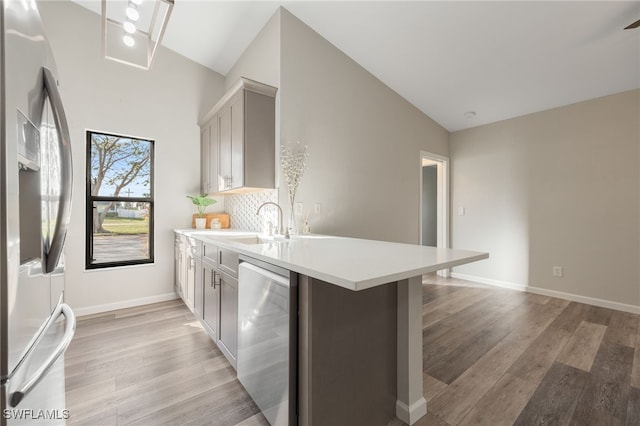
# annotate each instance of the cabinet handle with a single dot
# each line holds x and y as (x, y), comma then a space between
(215, 274)
(213, 279)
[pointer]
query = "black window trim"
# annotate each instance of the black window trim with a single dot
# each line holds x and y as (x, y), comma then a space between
(89, 200)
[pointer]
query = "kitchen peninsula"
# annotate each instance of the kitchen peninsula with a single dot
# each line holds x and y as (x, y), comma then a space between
(359, 354)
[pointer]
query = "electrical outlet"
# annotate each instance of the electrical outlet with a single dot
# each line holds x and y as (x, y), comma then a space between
(317, 207)
(558, 271)
(460, 211)
(298, 208)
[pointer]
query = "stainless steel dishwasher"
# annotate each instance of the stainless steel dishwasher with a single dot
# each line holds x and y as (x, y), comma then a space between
(267, 339)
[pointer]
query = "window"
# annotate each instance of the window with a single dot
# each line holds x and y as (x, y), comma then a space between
(119, 200)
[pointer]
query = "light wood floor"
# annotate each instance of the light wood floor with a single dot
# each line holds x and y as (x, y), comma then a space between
(152, 365)
(491, 357)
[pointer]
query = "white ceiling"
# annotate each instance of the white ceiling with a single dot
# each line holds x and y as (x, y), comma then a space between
(499, 59)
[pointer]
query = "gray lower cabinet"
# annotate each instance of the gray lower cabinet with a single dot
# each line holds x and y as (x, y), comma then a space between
(206, 278)
(198, 294)
(185, 252)
(178, 265)
(190, 277)
(228, 340)
(211, 294)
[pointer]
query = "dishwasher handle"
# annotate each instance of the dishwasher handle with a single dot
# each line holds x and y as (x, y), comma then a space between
(277, 279)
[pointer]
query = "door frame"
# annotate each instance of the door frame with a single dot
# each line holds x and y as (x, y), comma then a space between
(443, 237)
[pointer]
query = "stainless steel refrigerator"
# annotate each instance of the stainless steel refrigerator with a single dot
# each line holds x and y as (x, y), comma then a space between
(36, 326)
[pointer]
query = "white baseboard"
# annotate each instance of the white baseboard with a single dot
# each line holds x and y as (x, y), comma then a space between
(553, 293)
(414, 412)
(96, 309)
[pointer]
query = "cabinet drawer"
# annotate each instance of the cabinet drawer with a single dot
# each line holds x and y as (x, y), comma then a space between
(229, 261)
(193, 246)
(196, 248)
(210, 253)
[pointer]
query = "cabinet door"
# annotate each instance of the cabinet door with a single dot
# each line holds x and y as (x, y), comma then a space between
(198, 293)
(224, 160)
(214, 147)
(189, 275)
(229, 316)
(190, 278)
(211, 299)
(205, 173)
(178, 266)
(237, 140)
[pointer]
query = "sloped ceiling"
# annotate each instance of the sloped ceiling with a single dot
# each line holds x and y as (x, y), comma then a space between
(497, 59)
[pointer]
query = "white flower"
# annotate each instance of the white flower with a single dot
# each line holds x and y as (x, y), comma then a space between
(293, 161)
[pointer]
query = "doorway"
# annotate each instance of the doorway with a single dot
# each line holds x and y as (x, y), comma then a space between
(434, 201)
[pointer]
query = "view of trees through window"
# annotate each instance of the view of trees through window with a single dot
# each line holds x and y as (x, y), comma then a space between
(119, 200)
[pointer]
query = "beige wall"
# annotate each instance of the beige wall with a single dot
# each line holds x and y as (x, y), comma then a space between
(364, 140)
(163, 104)
(559, 187)
(261, 60)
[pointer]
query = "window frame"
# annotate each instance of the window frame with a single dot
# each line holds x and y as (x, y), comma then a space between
(90, 199)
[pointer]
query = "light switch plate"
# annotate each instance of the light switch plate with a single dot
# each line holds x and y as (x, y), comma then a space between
(317, 207)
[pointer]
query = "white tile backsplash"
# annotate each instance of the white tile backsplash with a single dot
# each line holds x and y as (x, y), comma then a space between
(242, 210)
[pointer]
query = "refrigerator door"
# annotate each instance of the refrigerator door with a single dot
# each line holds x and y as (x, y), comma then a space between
(28, 288)
(34, 209)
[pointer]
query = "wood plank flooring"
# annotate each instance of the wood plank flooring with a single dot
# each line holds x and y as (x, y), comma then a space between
(152, 365)
(491, 357)
(500, 357)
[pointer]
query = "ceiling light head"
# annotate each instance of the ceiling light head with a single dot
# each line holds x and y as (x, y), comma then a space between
(123, 22)
(128, 40)
(469, 115)
(129, 27)
(132, 12)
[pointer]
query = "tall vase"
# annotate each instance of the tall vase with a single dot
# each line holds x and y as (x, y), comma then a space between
(293, 229)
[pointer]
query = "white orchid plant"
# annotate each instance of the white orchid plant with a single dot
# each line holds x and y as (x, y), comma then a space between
(293, 160)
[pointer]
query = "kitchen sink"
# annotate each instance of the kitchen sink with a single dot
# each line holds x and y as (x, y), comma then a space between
(255, 239)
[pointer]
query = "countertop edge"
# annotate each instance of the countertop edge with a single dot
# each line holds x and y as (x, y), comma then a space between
(220, 241)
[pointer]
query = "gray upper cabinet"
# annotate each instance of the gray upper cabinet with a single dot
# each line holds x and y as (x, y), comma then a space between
(225, 149)
(209, 140)
(241, 139)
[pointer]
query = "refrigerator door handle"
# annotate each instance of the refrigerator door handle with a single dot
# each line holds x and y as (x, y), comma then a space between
(69, 331)
(66, 172)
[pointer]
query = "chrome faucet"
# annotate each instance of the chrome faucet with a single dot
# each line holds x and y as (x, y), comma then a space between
(280, 229)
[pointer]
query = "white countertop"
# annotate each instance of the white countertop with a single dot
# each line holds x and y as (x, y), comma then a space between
(351, 263)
